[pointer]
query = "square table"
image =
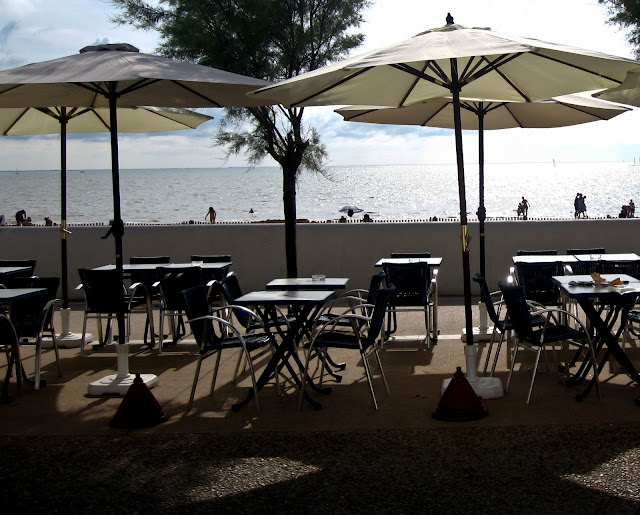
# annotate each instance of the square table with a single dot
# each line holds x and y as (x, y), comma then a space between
(308, 283)
(547, 258)
(9, 271)
(307, 303)
(620, 300)
(432, 261)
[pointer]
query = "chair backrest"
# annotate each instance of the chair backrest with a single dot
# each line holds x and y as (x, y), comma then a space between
(30, 315)
(211, 258)
(29, 263)
(103, 292)
(582, 252)
(145, 260)
(411, 283)
(517, 309)
(536, 280)
(378, 315)
(631, 268)
(173, 281)
(375, 284)
(536, 253)
(230, 290)
(195, 305)
(411, 254)
(486, 297)
(147, 277)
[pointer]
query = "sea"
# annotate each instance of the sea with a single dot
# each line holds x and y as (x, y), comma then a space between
(385, 193)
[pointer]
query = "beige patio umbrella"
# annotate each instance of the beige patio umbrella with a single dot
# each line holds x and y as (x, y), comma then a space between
(455, 61)
(478, 115)
(626, 93)
(53, 120)
(113, 76)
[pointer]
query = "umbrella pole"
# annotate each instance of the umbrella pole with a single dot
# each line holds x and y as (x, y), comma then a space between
(485, 387)
(118, 225)
(66, 338)
(119, 383)
(482, 212)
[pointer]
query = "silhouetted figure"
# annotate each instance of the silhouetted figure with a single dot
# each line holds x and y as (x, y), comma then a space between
(350, 213)
(449, 19)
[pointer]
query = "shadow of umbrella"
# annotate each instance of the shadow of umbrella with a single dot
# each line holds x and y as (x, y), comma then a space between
(118, 75)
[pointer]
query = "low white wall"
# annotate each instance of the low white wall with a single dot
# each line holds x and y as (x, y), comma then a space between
(339, 250)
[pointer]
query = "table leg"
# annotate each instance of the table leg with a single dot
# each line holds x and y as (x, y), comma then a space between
(606, 337)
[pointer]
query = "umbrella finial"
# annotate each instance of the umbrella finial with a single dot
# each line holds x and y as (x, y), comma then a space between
(449, 19)
(121, 47)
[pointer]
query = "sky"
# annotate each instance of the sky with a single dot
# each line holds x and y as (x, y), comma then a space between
(38, 30)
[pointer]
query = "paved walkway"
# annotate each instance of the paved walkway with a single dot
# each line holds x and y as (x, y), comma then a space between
(555, 455)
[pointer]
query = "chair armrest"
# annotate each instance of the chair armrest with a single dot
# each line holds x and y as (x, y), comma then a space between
(228, 310)
(350, 314)
(79, 287)
(226, 326)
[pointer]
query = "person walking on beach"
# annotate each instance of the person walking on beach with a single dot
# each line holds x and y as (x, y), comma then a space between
(211, 214)
(525, 207)
(21, 217)
(632, 209)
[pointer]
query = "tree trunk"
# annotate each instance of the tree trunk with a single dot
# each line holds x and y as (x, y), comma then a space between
(290, 216)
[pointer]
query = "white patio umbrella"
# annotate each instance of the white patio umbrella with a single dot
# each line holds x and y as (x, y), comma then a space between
(115, 76)
(626, 93)
(478, 115)
(21, 121)
(455, 61)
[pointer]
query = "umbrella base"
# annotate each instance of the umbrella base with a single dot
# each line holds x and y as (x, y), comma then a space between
(479, 334)
(67, 341)
(484, 387)
(116, 384)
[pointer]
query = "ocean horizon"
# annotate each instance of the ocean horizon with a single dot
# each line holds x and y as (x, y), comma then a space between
(384, 192)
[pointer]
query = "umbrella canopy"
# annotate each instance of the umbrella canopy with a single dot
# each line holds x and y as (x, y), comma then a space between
(117, 75)
(445, 62)
(47, 120)
(353, 209)
(477, 115)
(53, 120)
(626, 93)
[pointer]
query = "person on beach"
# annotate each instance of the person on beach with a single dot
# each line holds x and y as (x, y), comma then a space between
(21, 217)
(211, 214)
(631, 209)
(525, 207)
(3, 220)
(576, 205)
(624, 212)
(366, 218)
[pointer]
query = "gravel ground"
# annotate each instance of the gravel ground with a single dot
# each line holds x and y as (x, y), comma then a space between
(516, 469)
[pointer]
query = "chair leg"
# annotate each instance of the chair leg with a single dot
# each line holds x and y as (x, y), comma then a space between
(384, 377)
(535, 370)
(253, 378)
(84, 333)
(367, 371)
(497, 354)
(305, 374)
(489, 349)
(195, 382)
(38, 361)
(215, 372)
(513, 364)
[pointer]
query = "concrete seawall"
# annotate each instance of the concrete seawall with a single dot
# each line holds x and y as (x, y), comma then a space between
(339, 250)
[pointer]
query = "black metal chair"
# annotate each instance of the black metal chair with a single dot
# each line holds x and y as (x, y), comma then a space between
(536, 280)
(364, 338)
(8, 279)
(105, 295)
(584, 267)
(415, 290)
(9, 341)
(503, 326)
(171, 283)
(536, 253)
(31, 319)
(215, 334)
(550, 334)
(148, 278)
